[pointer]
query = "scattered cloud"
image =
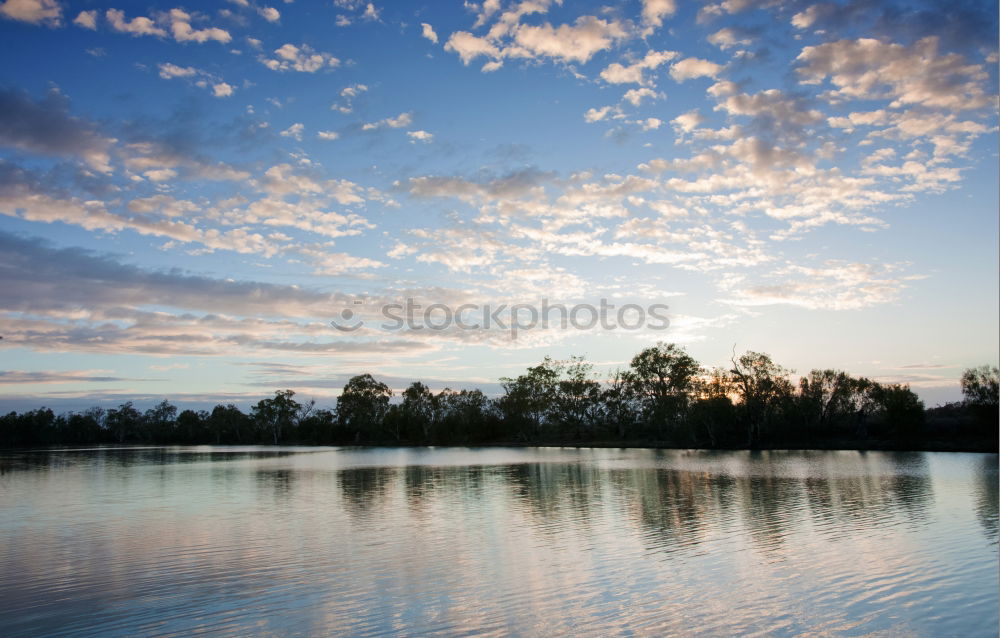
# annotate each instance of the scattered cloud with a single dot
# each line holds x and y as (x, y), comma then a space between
(869, 69)
(269, 13)
(690, 68)
(509, 38)
(400, 121)
(86, 19)
(44, 12)
(427, 31)
(420, 136)
(294, 131)
(302, 58)
(634, 73)
(137, 26)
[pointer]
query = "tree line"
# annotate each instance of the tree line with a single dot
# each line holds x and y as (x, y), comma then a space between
(664, 398)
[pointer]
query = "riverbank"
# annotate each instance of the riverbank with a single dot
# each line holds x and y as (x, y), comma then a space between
(818, 446)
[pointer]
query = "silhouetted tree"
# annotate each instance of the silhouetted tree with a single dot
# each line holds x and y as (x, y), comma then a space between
(192, 427)
(228, 423)
(82, 428)
(576, 403)
(125, 422)
(417, 412)
(664, 393)
(981, 386)
(318, 426)
(664, 377)
(621, 403)
(160, 421)
(362, 406)
(763, 388)
(528, 397)
(901, 411)
(466, 416)
(713, 414)
(276, 415)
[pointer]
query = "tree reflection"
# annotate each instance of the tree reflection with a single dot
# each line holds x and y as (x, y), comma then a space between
(365, 488)
(552, 492)
(987, 494)
(279, 482)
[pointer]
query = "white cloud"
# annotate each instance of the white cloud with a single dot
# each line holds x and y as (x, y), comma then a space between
(577, 42)
(420, 136)
(349, 93)
(653, 11)
(299, 58)
(786, 112)
(805, 19)
(86, 19)
(598, 114)
(689, 68)
(294, 131)
(180, 26)
(160, 174)
(428, 32)
(142, 156)
(353, 91)
(835, 285)
(617, 73)
(469, 47)
(327, 136)
(269, 13)
(168, 71)
(47, 12)
(728, 38)
(400, 121)
(636, 96)
(136, 26)
(650, 123)
(869, 69)
(689, 121)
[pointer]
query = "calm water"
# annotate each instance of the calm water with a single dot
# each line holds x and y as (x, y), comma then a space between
(536, 542)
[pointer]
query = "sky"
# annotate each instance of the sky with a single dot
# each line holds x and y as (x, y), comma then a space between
(210, 202)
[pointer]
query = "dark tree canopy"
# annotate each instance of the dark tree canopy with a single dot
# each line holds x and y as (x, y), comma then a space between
(663, 398)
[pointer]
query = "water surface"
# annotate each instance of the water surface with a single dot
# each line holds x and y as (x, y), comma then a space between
(533, 541)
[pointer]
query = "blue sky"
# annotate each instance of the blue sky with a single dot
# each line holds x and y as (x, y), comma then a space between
(189, 194)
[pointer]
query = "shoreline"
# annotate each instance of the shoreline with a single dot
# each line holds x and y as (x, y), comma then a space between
(966, 447)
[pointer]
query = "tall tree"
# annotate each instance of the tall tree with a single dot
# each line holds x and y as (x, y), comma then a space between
(362, 406)
(762, 387)
(161, 420)
(620, 403)
(274, 416)
(228, 423)
(125, 422)
(901, 410)
(981, 386)
(528, 397)
(665, 377)
(576, 404)
(418, 410)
